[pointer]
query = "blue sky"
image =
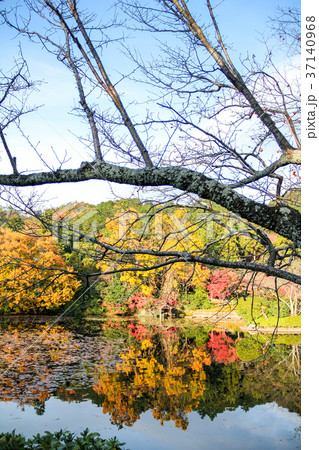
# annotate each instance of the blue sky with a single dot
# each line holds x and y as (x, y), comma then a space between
(242, 23)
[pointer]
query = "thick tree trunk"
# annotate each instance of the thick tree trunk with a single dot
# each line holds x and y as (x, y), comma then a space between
(280, 219)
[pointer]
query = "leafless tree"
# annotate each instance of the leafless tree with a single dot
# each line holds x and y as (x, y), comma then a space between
(214, 130)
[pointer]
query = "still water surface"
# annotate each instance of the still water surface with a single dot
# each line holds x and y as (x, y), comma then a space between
(153, 386)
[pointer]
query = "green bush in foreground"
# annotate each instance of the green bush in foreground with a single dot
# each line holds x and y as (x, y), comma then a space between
(59, 440)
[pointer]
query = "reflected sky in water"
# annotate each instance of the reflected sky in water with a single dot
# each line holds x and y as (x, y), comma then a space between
(264, 427)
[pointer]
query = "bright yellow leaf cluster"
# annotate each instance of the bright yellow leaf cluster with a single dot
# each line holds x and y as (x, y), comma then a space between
(33, 274)
(173, 382)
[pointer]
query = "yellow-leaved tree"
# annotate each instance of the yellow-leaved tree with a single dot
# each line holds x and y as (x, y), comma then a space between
(154, 375)
(33, 275)
(167, 231)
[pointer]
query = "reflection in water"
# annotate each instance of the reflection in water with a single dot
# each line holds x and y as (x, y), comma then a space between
(38, 361)
(129, 369)
(157, 374)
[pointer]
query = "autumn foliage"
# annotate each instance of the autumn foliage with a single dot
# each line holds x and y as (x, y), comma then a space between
(221, 283)
(40, 360)
(33, 275)
(222, 347)
(153, 283)
(172, 381)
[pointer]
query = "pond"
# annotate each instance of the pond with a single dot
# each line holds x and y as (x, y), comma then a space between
(156, 386)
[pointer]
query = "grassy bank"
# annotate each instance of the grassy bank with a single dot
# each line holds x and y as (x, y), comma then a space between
(265, 313)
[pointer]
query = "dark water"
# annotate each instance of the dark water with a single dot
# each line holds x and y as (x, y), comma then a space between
(153, 386)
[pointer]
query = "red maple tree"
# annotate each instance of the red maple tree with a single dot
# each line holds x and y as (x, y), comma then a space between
(221, 284)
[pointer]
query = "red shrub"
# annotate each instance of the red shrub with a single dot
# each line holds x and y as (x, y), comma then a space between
(139, 301)
(221, 283)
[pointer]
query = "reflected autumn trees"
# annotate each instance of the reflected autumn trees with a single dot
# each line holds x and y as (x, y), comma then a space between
(158, 374)
(200, 371)
(38, 361)
(128, 368)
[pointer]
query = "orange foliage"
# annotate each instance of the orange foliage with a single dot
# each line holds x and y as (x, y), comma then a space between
(38, 361)
(173, 384)
(33, 273)
(25, 360)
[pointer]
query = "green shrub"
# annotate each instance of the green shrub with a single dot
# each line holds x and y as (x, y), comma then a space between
(59, 440)
(111, 297)
(197, 300)
(197, 333)
(12, 441)
(114, 295)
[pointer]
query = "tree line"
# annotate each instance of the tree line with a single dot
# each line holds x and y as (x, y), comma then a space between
(72, 253)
